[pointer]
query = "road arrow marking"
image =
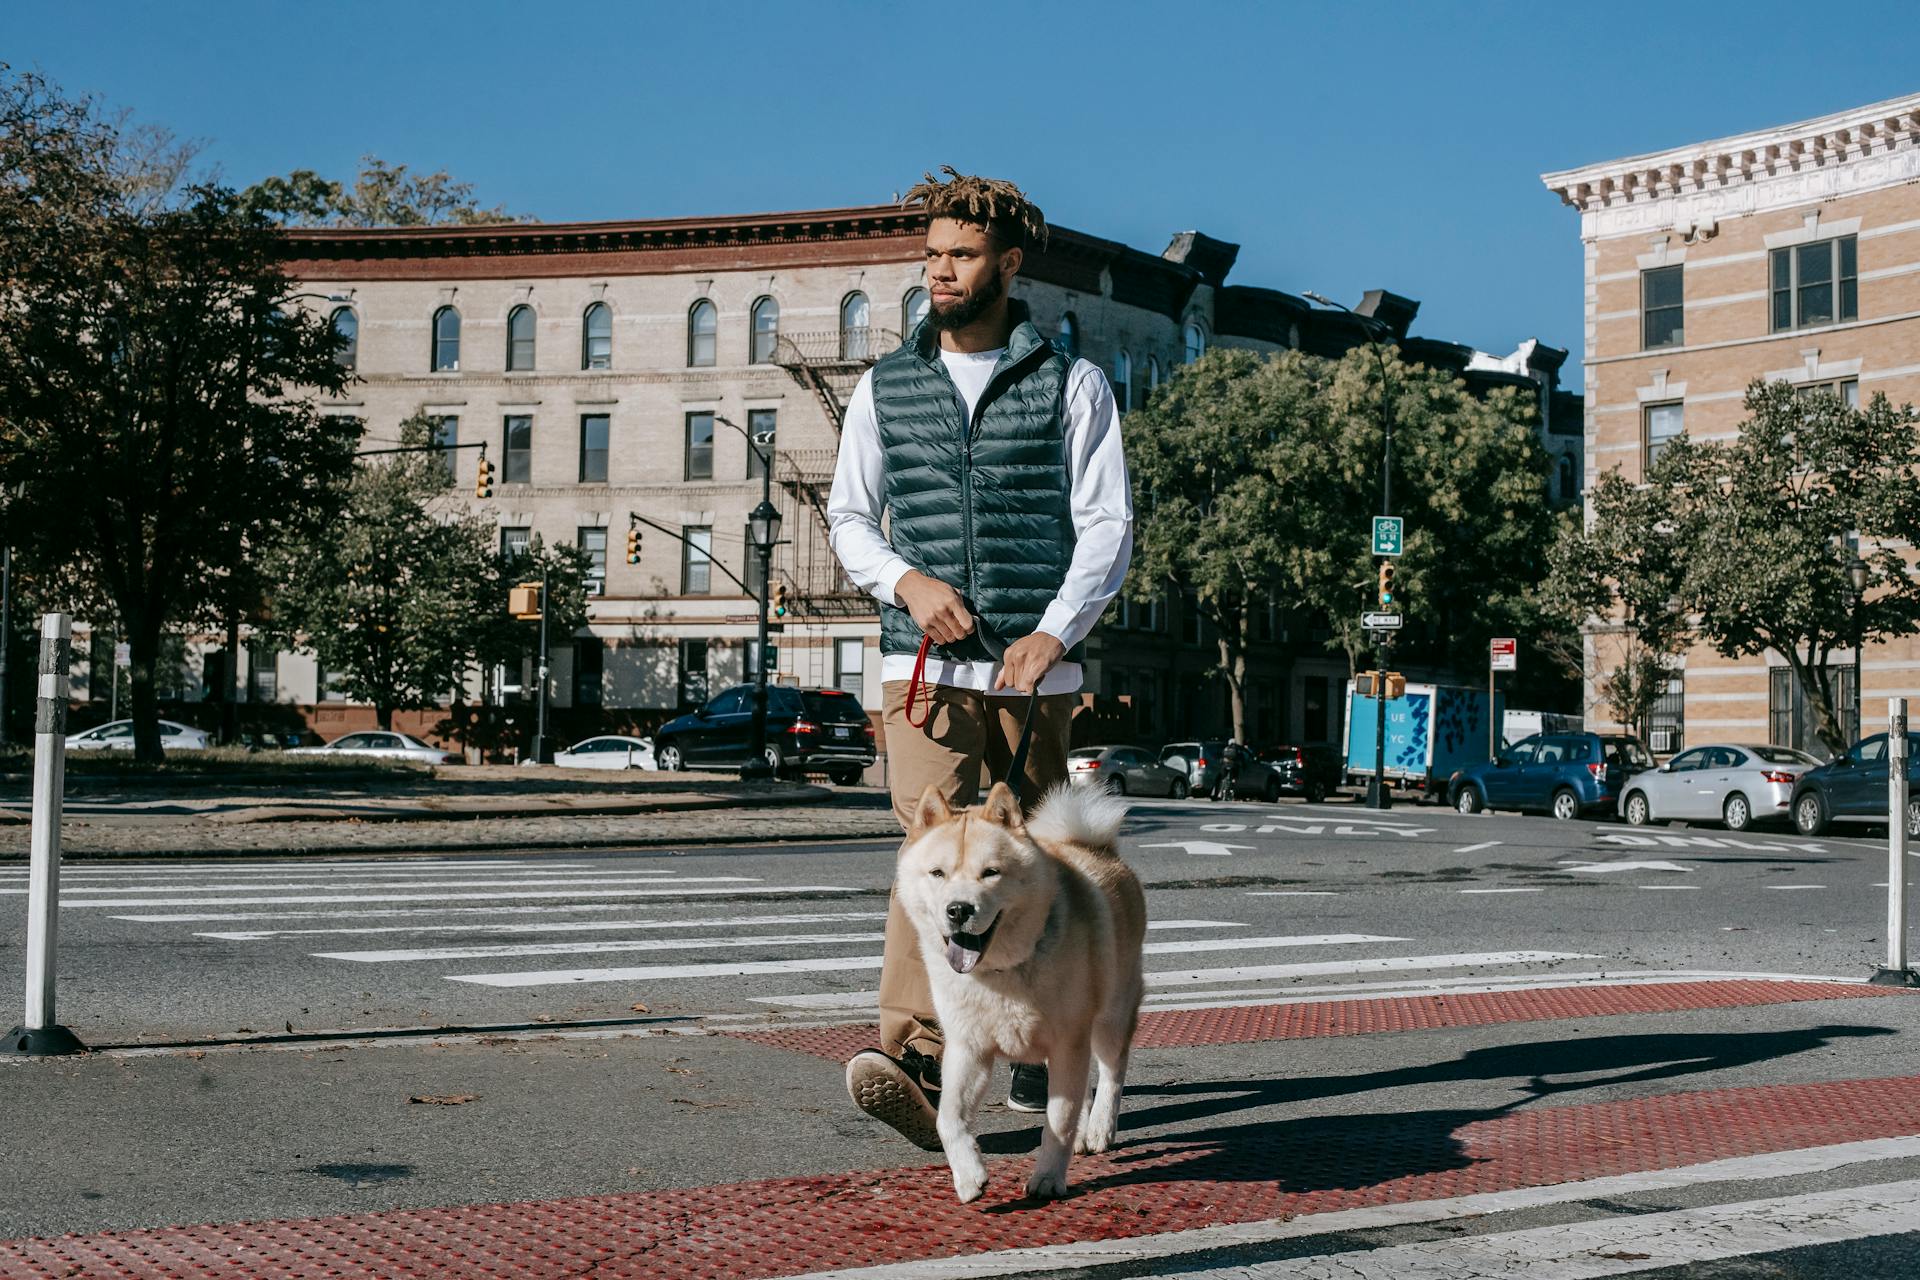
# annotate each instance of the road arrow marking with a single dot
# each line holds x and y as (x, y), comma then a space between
(1201, 848)
(1603, 868)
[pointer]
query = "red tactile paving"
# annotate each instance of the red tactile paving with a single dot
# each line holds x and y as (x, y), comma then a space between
(1224, 1173)
(1248, 1024)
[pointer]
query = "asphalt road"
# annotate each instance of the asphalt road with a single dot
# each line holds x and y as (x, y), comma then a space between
(1246, 900)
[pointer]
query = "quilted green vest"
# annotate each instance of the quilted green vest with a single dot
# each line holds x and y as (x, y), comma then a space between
(980, 505)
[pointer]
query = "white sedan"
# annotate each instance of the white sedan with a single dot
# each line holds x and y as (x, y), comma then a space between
(117, 735)
(383, 745)
(1735, 784)
(609, 751)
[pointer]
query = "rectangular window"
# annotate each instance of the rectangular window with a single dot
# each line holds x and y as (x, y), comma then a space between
(446, 434)
(850, 666)
(1662, 422)
(700, 446)
(594, 543)
(1790, 718)
(514, 540)
(760, 426)
(1667, 723)
(263, 674)
(589, 665)
(1662, 311)
(696, 561)
(594, 431)
(1815, 284)
(1848, 389)
(693, 672)
(517, 468)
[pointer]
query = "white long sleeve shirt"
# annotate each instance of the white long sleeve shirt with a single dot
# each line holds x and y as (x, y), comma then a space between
(1098, 494)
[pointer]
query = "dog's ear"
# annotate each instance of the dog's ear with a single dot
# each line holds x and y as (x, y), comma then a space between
(932, 809)
(1001, 808)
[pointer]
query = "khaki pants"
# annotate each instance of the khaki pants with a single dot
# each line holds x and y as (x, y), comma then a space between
(965, 731)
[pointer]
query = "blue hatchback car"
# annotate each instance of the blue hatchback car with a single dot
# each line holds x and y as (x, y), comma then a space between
(1564, 774)
(1853, 788)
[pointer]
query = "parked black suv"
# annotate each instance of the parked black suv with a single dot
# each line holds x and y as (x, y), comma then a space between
(808, 731)
(1313, 772)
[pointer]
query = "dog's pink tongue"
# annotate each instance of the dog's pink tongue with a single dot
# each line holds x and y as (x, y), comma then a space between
(960, 957)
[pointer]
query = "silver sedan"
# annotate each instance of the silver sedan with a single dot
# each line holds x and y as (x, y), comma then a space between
(1737, 784)
(1125, 771)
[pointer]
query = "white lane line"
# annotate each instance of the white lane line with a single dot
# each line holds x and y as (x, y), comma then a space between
(1615, 1246)
(644, 973)
(450, 897)
(503, 950)
(1670, 888)
(1190, 977)
(588, 926)
(492, 883)
(1334, 992)
(1786, 887)
(1088, 1254)
(1293, 893)
(514, 950)
(1475, 848)
(410, 913)
(556, 926)
(1373, 964)
(396, 867)
(1503, 891)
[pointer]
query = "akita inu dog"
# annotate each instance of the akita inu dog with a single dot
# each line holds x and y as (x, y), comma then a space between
(1031, 933)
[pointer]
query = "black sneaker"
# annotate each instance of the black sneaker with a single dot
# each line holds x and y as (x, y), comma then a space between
(903, 1092)
(1029, 1089)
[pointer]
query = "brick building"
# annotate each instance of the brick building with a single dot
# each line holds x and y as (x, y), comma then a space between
(606, 366)
(1793, 254)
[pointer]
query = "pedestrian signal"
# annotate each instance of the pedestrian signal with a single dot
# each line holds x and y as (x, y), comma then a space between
(633, 544)
(523, 601)
(1396, 685)
(483, 478)
(1386, 583)
(1364, 682)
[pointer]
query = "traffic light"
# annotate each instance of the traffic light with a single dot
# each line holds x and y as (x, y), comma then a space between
(483, 478)
(1396, 685)
(1386, 584)
(633, 544)
(1363, 683)
(778, 600)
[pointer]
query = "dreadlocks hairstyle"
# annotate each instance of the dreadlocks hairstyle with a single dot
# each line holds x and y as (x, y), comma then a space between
(999, 206)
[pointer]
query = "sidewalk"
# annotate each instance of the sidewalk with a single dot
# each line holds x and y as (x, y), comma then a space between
(479, 808)
(688, 1151)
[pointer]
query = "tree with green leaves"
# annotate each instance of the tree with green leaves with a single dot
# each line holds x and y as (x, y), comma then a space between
(406, 596)
(1257, 476)
(1768, 523)
(382, 195)
(159, 384)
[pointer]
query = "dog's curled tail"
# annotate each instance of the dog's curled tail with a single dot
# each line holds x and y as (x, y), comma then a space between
(1079, 815)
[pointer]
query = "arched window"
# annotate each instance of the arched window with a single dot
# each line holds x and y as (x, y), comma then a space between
(913, 309)
(1123, 380)
(1153, 372)
(346, 328)
(766, 330)
(596, 337)
(1569, 486)
(855, 334)
(520, 338)
(1069, 335)
(446, 339)
(703, 323)
(1196, 339)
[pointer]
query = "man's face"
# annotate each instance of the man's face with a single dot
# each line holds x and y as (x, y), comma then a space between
(966, 272)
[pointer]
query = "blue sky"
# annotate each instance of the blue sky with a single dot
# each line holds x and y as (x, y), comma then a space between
(1344, 146)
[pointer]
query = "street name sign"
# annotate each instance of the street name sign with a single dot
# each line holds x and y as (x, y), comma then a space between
(1506, 655)
(1386, 535)
(1380, 621)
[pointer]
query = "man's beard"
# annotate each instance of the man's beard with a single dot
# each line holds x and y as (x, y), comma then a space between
(968, 309)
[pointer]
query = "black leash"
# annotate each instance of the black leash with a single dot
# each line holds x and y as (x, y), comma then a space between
(1017, 770)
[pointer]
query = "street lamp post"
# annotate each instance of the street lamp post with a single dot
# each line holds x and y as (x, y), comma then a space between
(1378, 795)
(1857, 580)
(763, 528)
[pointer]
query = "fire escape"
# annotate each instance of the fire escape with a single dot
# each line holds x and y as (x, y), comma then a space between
(827, 363)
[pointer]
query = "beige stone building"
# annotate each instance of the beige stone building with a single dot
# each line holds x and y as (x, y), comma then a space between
(616, 368)
(1792, 253)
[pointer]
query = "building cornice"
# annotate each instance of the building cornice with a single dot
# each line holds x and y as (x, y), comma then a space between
(1861, 149)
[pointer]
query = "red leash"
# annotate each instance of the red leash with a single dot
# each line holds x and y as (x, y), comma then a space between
(916, 688)
(917, 684)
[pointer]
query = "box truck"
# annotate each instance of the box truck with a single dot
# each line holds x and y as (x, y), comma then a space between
(1431, 731)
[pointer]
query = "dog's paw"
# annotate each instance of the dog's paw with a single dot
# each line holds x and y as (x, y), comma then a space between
(1094, 1138)
(1047, 1185)
(969, 1181)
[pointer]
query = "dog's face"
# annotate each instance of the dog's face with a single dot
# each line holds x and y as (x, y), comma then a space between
(974, 880)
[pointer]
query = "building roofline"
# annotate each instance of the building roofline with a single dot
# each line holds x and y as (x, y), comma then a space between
(1721, 162)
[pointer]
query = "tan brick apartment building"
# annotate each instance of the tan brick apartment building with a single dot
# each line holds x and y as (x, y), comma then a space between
(601, 364)
(1792, 253)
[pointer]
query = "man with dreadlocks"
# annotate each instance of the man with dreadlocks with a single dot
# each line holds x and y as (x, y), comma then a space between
(996, 456)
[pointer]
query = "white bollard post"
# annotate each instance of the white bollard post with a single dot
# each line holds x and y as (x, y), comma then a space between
(40, 1034)
(1897, 973)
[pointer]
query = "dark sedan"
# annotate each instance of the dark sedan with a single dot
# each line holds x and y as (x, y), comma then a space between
(1854, 788)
